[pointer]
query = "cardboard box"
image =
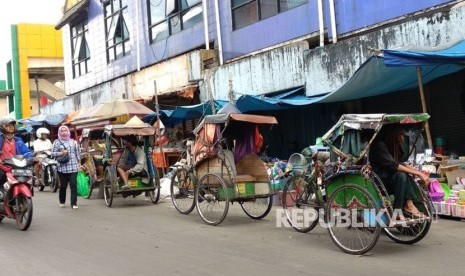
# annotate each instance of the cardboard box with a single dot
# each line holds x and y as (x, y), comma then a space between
(452, 176)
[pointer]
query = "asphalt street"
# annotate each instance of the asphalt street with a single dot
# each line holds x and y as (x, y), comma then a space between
(135, 237)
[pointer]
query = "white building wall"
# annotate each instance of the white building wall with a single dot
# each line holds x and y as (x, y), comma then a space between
(325, 69)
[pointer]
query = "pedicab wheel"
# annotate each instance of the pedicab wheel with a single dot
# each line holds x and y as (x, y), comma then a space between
(257, 208)
(409, 234)
(182, 190)
(54, 182)
(23, 213)
(212, 199)
(109, 185)
(298, 197)
(90, 186)
(155, 194)
(350, 216)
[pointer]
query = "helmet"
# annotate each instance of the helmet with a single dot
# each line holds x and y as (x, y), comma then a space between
(41, 131)
(7, 120)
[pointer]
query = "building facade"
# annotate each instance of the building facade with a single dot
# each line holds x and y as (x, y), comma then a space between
(35, 68)
(130, 49)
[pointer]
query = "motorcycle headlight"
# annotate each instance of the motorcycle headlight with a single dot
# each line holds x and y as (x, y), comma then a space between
(22, 179)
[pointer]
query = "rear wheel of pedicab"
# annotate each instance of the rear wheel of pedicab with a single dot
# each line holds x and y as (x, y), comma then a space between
(416, 230)
(23, 214)
(182, 190)
(257, 208)
(298, 197)
(212, 199)
(350, 216)
(90, 186)
(155, 194)
(409, 234)
(109, 185)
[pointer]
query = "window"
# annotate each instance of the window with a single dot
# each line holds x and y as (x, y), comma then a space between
(247, 12)
(117, 34)
(79, 48)
(168, 17)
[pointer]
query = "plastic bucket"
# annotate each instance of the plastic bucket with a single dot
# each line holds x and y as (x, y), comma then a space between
(439, 141)
(446, 190)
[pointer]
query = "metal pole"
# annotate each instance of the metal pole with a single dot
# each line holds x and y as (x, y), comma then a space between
(157, 111)
(423, 105)
(36, 80)
(205, 24)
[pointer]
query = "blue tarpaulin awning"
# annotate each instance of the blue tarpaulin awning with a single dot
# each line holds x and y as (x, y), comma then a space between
(454, 54)
(393, 71)
(38, 120)
(275, 101)
(396, 70)
(181, 114)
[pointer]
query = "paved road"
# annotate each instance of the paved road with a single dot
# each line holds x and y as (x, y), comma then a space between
(135, 237)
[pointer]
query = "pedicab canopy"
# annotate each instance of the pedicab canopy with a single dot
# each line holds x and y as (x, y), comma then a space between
(243, 128)
(230, 113)
(349, 124)
(372, 121)
(123, 130)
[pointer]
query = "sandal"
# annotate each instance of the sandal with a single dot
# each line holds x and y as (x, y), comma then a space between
(416, 215)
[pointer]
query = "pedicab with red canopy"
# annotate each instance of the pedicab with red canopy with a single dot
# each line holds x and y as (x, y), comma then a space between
(227, 167)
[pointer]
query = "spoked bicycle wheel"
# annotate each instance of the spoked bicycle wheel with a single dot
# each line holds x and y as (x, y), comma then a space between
(415, 231)
(350, 216)
(109, 185)
(155, 194)
(212, 199)
(182, 190)
(257, 208)
(409, 234)
(298, 202)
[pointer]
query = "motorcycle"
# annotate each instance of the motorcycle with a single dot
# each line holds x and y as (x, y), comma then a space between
(48, 174)
(17, 196)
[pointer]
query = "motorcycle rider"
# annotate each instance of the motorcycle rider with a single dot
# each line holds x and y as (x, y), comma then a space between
(10, 145)
(41, 145)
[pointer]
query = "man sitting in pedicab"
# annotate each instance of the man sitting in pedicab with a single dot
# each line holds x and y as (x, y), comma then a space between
(133, 162)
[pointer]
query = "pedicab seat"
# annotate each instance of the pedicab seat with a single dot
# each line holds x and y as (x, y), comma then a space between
(245, 178)
(116, 155)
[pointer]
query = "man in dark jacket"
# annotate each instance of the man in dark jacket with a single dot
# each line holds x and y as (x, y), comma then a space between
(10, 145)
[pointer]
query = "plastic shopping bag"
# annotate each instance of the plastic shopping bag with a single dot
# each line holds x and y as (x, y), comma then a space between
(82, 184)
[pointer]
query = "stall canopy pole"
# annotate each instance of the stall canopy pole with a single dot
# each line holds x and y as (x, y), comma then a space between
(423, 105)
(157, 111)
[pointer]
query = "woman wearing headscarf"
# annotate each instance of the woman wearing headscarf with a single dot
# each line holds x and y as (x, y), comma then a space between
(67, 172)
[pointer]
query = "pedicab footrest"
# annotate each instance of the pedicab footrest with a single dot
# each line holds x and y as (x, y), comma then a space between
(134, 183)
(244, 189)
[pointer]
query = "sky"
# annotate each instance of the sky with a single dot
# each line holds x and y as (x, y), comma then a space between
(24, 11)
